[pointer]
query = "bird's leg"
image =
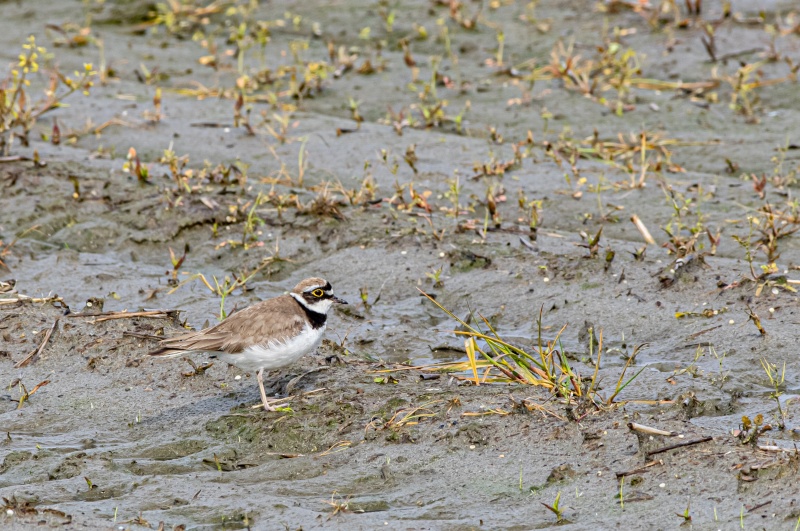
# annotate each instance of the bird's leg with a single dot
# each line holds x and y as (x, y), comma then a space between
(267, 404)
(264, 401)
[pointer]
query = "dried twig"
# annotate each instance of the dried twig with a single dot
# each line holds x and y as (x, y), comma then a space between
(107, 316)
(35, 300)
(29, 357)
(142, 336)
(638, 470)
(759, 506)
(643, 230)
(679, 445)
(651, 431)
(766, 448)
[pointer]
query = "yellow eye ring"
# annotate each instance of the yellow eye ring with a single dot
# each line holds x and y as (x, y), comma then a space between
(318, 293)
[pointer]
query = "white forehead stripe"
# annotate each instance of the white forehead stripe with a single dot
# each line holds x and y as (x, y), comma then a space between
(314, 288)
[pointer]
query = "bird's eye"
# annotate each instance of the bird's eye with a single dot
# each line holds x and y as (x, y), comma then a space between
(318, 293)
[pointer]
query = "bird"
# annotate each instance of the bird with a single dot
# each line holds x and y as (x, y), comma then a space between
(270, 334)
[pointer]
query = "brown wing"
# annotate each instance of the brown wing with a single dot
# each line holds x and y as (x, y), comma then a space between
(278, 318)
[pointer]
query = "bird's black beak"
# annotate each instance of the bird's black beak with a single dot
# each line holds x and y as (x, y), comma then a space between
(338, 300)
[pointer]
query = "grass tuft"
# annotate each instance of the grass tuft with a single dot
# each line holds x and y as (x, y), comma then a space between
(490, 359)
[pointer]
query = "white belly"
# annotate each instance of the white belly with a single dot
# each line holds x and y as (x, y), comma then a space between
(275, 354)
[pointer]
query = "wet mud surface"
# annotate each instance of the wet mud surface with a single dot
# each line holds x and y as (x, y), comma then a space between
(383, 202)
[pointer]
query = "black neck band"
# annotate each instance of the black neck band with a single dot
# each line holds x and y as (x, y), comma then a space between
(316, 319)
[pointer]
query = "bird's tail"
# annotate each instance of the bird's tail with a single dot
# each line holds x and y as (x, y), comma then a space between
(168, 352)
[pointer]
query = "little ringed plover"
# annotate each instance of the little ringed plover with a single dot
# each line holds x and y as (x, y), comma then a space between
(270, 334)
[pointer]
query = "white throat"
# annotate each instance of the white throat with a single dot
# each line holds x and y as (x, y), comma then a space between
(320, 306)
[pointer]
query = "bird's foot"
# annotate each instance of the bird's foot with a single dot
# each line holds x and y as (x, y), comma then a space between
(277, 404)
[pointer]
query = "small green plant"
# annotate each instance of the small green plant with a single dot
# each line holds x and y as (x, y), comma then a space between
(251, 223)
(591, 243)
(746, 244)
(777, 380)
(226, 288)
(619, 67)
(283, 123)
(531, 213)
(24, 394)
(138, 418)
(752, 429)
(494, 195)
(436, 277)
(744, 97)
(722, 375)
(687, 518)
(682, 231)
(388, 16)
(756, 320)
(177, 168)
(197, 370)
(338, 505)
(615, 68)
(154, 116)
(134, 166)
(501, 40)
(354, 114)
(176, 264)
(453, 194)
(555, 508)
(363, 195)
(692, 370)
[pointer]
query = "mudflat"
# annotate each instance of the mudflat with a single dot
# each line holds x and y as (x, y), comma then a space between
(601, 194)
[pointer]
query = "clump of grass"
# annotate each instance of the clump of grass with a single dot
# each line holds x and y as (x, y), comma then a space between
(19, 112)
(774, 225)
(687, 223)
(187, 180)
(546, 365)
(745, 83)
(183, 18)
(232, 29)
(324, 205)
(228, 284)
(404, 417)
